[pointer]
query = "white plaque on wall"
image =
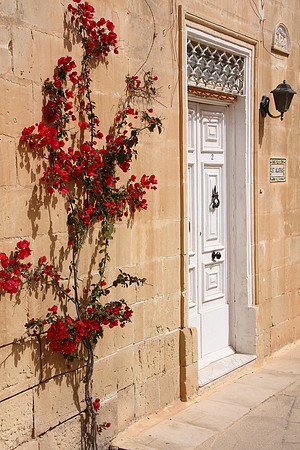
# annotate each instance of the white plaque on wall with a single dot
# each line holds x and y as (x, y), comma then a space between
(277, 170)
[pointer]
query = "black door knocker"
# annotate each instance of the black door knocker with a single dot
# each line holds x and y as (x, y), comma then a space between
(215, 255)
(215, 201)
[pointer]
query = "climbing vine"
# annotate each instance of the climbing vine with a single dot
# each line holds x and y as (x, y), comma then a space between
(83, 166)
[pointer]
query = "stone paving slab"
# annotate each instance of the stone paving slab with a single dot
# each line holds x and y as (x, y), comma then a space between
(269, 379)
(242, 394)
(209, 414)
(174, 435)
(258, 411)
(251, 433)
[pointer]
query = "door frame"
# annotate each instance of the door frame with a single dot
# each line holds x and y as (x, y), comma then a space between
(242, 322)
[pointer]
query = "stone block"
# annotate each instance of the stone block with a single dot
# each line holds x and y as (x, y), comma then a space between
(109, 413)
(292, 278)
(14, 205)
(40, 298)
(13, 316)
(5, 54)
(263, 344)
(161, 314)
(123, 243)
(189, 382)
(186, 350)
(8, 171)
(126, 408)
(65, 436)
(47, 49)
(37, 14)
(64, 397)
(16, 424)
(23, 58)
(153, 272)
(153, 320)
(30, 445)
(296, 326)
(295, 303)
(169, 384)
(281, 335)
(172, 311)
(105, 377)
(15, 107)
(264, 318)
(55, 248)
(7, 7)
(171, 275)
(106, 345)
(138, 322)
(172, 351)
(147, 397)
(55, 216)
(123, 367)
(156, 239)
(265, 286)
(124, 336)
(280, 309)
(148, 359)
(19, 367)
(278, 277)
(30, 169)
(295, 250)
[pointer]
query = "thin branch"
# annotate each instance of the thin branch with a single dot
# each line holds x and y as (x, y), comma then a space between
(154, 36)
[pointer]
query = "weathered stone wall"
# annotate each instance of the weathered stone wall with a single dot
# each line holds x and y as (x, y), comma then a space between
(277, 208)
(140, 367)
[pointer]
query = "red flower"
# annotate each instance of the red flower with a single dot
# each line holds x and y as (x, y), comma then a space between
(83, 125)
(42, 260)
(4, 260)
(24, 250)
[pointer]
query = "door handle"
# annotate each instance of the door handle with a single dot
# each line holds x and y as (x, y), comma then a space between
(215, 255)
(215, 198)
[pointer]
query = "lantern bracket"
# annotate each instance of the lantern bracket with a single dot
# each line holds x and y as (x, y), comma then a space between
(264, 108)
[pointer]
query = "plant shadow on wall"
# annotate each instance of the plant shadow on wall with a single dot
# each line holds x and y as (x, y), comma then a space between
(81, 178)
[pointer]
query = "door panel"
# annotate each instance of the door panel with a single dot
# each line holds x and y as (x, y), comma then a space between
(212, 218)
(208, 308)
(215, 335)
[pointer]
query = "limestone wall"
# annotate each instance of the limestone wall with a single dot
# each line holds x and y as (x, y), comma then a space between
(137, 370)
(143, 367)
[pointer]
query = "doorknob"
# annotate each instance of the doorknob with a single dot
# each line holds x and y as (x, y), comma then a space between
(215, 255)
(215, 198)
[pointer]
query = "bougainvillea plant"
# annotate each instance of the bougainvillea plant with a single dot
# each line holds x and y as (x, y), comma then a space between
(83, 166)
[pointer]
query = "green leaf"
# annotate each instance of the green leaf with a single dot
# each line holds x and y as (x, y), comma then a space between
(121, 157)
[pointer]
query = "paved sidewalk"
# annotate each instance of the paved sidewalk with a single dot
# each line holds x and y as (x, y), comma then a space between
(259, 410)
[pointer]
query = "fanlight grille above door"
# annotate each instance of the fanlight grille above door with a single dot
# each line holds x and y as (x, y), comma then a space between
(215, 69)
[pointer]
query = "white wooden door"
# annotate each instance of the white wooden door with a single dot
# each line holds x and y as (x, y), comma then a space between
(208, 302)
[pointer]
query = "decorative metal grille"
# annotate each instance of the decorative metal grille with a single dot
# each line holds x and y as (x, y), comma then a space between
(212, 68)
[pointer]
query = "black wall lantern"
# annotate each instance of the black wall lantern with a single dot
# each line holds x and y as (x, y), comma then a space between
(283, 95)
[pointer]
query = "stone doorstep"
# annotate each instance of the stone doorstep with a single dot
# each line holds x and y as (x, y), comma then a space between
(221, 367)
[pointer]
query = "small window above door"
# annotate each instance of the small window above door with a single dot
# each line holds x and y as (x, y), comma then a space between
(211, 68)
